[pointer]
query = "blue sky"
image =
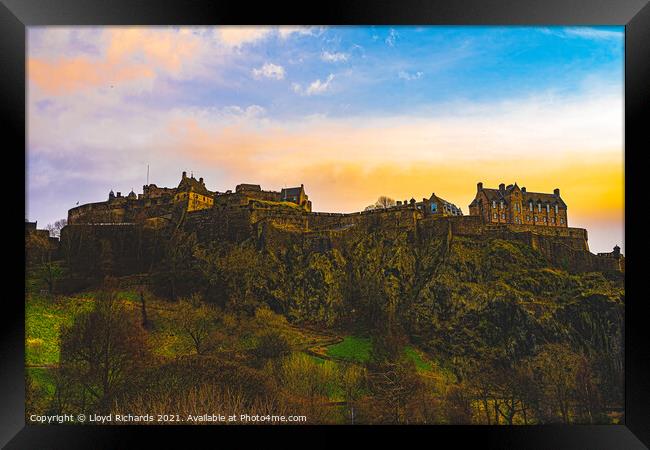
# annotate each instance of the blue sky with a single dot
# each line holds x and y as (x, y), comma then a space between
(351, 112)
(388, 70)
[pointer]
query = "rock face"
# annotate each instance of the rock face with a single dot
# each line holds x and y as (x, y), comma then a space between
(135, 246)
(458, 288)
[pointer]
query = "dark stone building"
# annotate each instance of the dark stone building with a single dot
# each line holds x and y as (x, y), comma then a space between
(513, 205)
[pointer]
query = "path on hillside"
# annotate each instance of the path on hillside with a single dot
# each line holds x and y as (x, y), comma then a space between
(317, 346)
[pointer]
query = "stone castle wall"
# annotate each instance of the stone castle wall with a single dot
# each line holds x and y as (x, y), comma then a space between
(128, 248)
(237, 218)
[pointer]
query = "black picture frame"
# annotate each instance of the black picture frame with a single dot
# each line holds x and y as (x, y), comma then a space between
(16, 15)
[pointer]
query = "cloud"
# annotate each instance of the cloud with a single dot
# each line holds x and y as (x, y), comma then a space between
(594, 33)
(121, 55)
(233, 36)
(250, 112)
(585, 33)
(315, 87)
(269, 70)
(334, 57)
(344, 162)
(409, 76)
(287, 31)
(71, 74)
(104, 103)
(392, 37)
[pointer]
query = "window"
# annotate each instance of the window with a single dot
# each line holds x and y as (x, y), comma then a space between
(539, 207)
(548, 208)
(494, 204)
(544, 219)
(501, 204)
(562, 220)
(556, 209)
(503, 215)
(535, 219)
(553, 220)
(527, 218)
(530, 204)
(495, 215)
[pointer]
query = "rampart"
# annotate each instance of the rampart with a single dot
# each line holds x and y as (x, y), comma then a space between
(237, 217)
(112, 248)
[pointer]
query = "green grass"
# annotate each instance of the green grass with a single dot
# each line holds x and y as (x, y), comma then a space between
(43, 320)
(420, 363)
(352, 348)
(42, 381)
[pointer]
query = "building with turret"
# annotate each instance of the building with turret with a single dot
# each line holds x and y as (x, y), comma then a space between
(134, 223)
(513, 205)
(156, 203)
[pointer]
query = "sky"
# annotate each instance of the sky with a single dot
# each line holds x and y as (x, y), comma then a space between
(352, 113)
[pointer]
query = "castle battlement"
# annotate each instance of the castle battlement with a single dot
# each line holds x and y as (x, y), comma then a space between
(250, 211)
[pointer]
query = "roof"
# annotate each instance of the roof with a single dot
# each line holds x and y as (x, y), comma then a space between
(492, 195)
(248, 187)
(286, 192)
(539, 197)
(535, 197)
(444, 202)
(192, 184)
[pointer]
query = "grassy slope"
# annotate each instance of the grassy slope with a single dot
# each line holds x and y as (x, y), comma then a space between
(358, 349)
(352, 348)
(43, 319)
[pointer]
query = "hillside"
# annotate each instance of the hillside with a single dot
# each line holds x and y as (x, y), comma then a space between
(488, 327)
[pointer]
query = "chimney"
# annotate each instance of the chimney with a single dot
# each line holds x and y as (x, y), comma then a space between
(184, 174)
(556, 192)
(201, 180)
(523, 189)
(502, 187)
(479, 187)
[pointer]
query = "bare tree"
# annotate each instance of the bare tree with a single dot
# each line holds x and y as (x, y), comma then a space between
(303, 376)
(197, 320)
(56, 227)
(103, 348)
(385, 202)
(38, 252)
(352, 381)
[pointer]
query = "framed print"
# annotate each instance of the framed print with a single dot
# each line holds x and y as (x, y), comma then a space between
(399, 217)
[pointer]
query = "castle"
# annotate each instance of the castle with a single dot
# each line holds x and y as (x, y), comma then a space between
(510, 212)
(192, 195)
(514, 205)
